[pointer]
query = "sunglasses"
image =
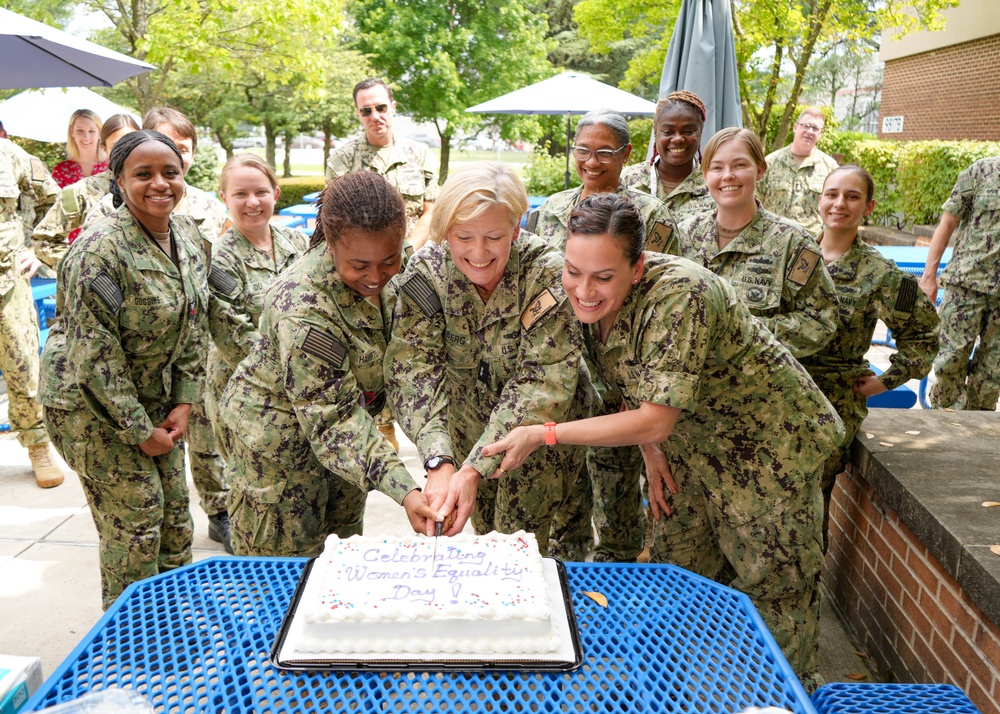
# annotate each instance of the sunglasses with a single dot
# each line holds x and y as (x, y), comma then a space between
(367, 111)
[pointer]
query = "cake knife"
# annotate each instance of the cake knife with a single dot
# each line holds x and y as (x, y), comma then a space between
(437, 534)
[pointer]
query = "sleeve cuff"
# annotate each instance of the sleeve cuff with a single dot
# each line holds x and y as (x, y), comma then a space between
(140, 430)
(186, 392)
(397, 484)
(892, 378)
(434, 443)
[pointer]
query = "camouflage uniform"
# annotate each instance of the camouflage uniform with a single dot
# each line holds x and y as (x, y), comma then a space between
(970, 307)
(300, 411)
(20, 173)
(608, 490)
(407, 166)
(869, 288)
(463, 373)
(778, 272)
(51, 235)
(126, 349)
(793, 191)
(690, 198)
(207, 467)
(240, 274)
(551, 219)
(746, 451)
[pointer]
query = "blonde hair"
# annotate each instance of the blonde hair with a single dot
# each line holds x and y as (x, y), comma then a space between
(252, 161)
(72, 150)
(471, 190)
(745, 136)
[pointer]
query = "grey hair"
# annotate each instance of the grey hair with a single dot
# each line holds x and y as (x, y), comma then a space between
(610, 118)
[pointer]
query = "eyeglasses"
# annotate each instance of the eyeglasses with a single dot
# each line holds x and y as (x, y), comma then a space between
(604, 156)
(367, 111)
(812, 127)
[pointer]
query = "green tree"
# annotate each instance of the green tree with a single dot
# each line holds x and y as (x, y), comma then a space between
(776, 41)
(193, 37)
(447, 55)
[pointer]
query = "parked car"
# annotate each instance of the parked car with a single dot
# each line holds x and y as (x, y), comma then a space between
(249, 142)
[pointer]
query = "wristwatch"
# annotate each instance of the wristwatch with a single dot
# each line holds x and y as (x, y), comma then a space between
(437, 461)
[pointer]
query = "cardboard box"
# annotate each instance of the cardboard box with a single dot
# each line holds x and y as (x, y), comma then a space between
(20, 677)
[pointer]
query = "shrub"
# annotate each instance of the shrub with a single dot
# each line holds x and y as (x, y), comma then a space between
(927, 172)
(293, 189)
(204, 172)
(51, 153)
(641, 130)
(544, 176)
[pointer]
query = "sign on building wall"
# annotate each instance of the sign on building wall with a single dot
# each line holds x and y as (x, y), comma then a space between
(892, 125)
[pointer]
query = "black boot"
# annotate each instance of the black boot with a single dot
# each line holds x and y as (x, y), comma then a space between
(218, 530)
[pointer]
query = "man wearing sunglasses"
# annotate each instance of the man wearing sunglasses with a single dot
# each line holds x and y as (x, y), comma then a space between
(404, 163)
(792, 185)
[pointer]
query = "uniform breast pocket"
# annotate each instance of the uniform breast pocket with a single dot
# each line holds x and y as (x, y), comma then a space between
(987, 206)
(410, 182)
(759, 295)
(150, 314)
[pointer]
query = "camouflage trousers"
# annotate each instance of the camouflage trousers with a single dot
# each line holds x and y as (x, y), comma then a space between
(207, 465)
(139, 503)
(287, 508)
(852, 408)
(775, 552)
(967, 315)
(606, 497)
(19, 363)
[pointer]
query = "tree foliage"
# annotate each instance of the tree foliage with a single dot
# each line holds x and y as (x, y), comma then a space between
(447, 55)
(776, 41)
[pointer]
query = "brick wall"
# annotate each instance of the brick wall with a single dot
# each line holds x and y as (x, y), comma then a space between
(901, 606)
(951, 93)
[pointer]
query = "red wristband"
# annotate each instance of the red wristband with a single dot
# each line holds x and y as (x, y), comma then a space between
(550, 433)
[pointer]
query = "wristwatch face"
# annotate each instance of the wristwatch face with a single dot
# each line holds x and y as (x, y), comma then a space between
(436, 461)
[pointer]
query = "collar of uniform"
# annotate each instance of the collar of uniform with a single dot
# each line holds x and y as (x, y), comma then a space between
(560, 204)
(846, 266)
(145, 253)
(371, 154)
(749, 241)
(250, 254)
(694, 182)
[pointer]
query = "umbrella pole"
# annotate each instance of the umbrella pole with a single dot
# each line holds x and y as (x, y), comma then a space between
(568, 140)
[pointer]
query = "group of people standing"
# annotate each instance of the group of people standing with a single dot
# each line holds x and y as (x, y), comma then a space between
(656, 328)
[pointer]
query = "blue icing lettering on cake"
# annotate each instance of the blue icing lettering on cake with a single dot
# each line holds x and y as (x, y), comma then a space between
(480, 595)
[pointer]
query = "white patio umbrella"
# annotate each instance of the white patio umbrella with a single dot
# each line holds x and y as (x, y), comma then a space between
(44, 114)
(32, 54)
(567, 93)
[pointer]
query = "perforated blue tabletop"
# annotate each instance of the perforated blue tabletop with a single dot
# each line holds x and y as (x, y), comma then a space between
(197, 639)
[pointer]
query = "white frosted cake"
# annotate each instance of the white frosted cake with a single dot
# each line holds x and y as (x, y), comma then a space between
(383, 595)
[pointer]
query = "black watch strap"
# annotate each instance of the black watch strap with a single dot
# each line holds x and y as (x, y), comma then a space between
(437, 461)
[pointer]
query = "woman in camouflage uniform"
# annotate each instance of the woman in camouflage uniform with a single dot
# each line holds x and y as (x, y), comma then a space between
(870, 288)
(675, 176)
(124, 363)
(62, 224)
(300, 410)
(245, 259)
(772, 262)
(484, 340)
(697, 371)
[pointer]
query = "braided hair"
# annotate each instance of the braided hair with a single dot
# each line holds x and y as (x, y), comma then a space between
(123, 149)
(681, 99)
(361, 200)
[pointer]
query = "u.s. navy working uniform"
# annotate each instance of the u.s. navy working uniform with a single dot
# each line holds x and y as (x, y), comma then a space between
(970, 306)
(869, 288)
(462, 373)
(746, 451)
(792, 190)
(128, 346)
(689, 198)
(300, 415)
